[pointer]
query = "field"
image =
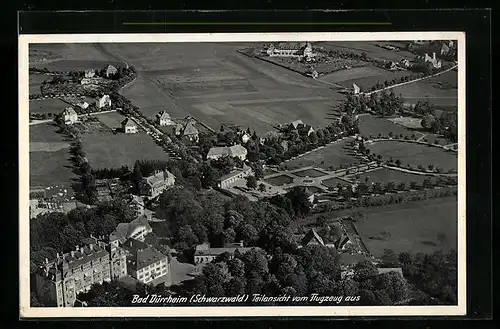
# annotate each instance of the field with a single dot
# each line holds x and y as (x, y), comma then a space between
(49, 157)
(332, 182)
(107, 150)
(215, 84)
(369, 47)
(370, 125)
(413, 226)
(441, 95)
(331, 155)
(415, 154)
(280, 180)
(385, 175)
(323, 66)
(111, 120)
(49, 105)
(309, 173)
(408, 122)
(35, 81)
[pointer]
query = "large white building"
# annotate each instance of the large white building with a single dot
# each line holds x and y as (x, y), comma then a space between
(235, 175)
(235, 151)
(70, 116)
(145, 263)
(154, 185)
(104, 101)
(164, 119)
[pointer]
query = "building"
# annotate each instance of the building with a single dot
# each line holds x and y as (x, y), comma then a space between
(295, 124)
(205, 254)
(154, 185)
(444, 49)
(291, 49)
(83, 105)
(312, 238)
(163, 119)
(129, 126)
(89, 73)
(91, 81)
(70, 116)
(356, 89)
(245, 137)
(104, 101)
(229, 179)
(306, 130)
(110, 71)
(405, 63)
(136, 229)
(432, 60)
(145, 263)
(188, 131)
(59, 281)
(235, 151)
(137, 203)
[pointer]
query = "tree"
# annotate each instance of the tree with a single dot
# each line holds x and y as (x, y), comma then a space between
(364, 270)
(389, 258)
(262, 187)
(428, 121)
(251, 182)
(398, 163)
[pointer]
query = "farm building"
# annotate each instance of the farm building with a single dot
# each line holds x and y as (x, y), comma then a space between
(300, 127)
(204, 254)
(70, 116)
(306, 130)
(356, 88)
(235, 151)
(110, 71)
(431, 60)
(104, 101)
(83, 105)
(233, 176)
(189, 131)
(163, 119)
(291, 49)
(405, 63)
(129, 126)
(154, 185)
(295, 124)
(245, 137)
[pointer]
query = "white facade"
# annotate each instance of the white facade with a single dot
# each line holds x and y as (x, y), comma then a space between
(70, 116)
(104, 101)
(153, 271)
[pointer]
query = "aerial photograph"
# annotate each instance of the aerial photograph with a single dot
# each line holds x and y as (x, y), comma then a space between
(313, 173)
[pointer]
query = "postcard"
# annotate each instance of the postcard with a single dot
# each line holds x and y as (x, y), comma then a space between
(242, 174)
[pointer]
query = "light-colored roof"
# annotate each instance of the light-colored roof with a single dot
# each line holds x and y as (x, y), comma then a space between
(123, 231)
(190, 129)
(232, 151)
(219, 251)
(158, 177)
(110, 69)
(163, 115)
(234, 173)
(69, 111)
(390, 269)
(296, 123)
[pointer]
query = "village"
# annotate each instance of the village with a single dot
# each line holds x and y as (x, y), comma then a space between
(146, 174)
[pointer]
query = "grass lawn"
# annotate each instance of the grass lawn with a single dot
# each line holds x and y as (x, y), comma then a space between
(35, 82)
(309, 173)
(73, 65)
(332, 182)
(408, 122)
(49, 157)
(386, 175)
(415, 154)
(279, 180)
(330, 155)
(413, 226)
(423, 90)
(107, 150)
(372, 125)
(112, 120)
(50, 105)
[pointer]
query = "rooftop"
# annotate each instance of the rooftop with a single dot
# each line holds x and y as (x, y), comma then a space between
(141, 255)
(312, 234)
(129, 123)
(123, 231)
(158, 177)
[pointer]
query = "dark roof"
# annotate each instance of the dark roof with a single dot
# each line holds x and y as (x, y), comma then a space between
(220, 251)
(124, 230)
(312, 234)
(129, 123)
(190, 129)
(141, 255)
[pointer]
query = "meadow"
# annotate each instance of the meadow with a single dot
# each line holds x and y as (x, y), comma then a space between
(415, 154)
(49, 105)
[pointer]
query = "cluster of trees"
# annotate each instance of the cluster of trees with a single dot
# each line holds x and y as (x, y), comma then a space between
(387, 199)
(42, 116)
(110, 173)
(192, 217)
(295, 202)
(58, 232)
(446, 125)
(394, 81)
(383, 103)
(347, 55)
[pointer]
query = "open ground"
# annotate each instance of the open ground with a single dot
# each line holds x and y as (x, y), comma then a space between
(108, 150)
(35, 81)
(384, 175)
(49, 105)
(332, 155)
(415, 154)
(49, 157)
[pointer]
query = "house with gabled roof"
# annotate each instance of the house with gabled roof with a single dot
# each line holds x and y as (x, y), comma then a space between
(235, 151)
(312, 238)
(70, 116)
(110, 71)
(154, 185)
(129, 126)
(145, 263)
(136, 229)
(164, 119)
(89, 73)
(104, 101)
